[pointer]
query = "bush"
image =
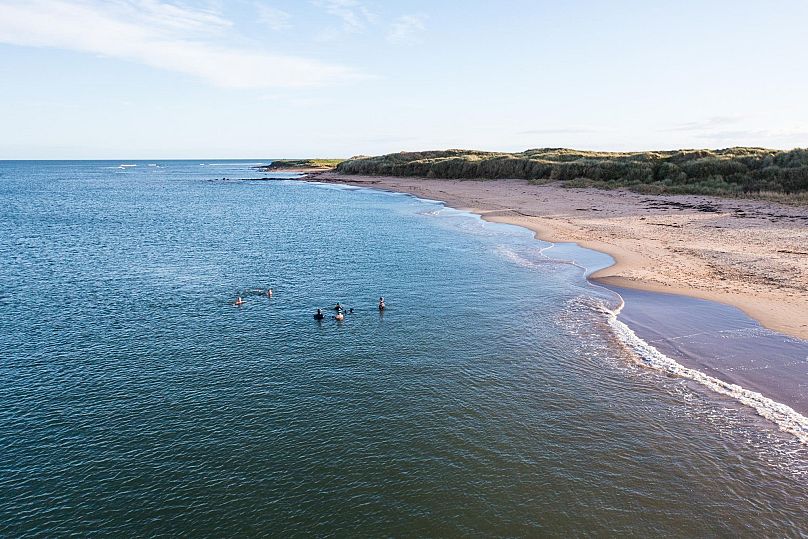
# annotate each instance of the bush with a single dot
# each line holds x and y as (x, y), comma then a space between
(730, 171)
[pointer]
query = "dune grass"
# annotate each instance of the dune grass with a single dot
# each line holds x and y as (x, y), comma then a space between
(771, 174)
(301, 164)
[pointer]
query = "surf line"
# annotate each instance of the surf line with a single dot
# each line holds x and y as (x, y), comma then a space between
(785, 417)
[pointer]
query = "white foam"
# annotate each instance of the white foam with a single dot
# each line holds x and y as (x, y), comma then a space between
(233, 164)
(523, 261)
(785, 417)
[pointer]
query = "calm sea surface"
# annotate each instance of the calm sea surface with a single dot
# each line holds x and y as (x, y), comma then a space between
(491, 398)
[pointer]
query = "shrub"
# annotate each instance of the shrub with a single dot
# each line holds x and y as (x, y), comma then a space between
(731, 171)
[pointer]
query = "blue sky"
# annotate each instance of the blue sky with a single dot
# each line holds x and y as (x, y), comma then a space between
(334, 78)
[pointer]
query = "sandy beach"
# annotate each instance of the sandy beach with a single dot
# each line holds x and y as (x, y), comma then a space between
(750, 254)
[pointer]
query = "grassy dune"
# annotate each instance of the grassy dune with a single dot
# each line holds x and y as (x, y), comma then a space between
(729, 172)
(300, 164)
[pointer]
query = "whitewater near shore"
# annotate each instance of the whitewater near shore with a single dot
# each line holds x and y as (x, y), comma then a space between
(747, 253)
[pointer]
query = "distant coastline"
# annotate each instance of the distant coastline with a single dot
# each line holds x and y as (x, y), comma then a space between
(300, 165)
(746, 253)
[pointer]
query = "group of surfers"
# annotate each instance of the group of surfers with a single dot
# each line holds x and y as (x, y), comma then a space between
(240, 300)
(340, 310)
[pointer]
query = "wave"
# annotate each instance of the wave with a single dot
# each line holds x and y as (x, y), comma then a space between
(785, 417)
(236, 164)
(524, 260)
(433, 212)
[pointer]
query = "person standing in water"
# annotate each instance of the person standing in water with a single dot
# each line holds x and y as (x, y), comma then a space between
(269, 292)
(319, 315)
(381, 303)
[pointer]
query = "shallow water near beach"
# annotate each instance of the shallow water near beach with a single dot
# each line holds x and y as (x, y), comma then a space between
(493, 396)
(721, 341)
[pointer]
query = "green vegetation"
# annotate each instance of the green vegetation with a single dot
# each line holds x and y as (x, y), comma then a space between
(728, 172)
(301, 164)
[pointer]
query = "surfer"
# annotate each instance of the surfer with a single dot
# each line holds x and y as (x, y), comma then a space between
(319, 315)
(239, 301)
(381, 303)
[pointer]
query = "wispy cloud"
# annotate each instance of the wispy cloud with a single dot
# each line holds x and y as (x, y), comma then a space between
(169, 16)
(355, 16)
(710, 123)
(736, 130)
(407, 29)
(163, 35)
(559, 131)
(754, 134)
(272, 17)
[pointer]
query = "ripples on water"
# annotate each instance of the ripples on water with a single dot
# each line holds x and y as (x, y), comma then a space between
(491, 397)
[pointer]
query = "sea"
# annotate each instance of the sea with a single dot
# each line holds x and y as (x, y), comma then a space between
(500, 393)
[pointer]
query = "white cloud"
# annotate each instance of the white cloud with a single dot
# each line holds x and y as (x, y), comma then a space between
(355, 16)
(169, 16)
(407, 29)
(161, 35)
(709, 123)
(274, 18)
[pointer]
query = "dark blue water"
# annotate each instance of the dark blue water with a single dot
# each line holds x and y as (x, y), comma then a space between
(491, 398)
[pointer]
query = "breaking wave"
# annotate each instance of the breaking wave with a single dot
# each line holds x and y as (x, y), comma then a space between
(785, 417)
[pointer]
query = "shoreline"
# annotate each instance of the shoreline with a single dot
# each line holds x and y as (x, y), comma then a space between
(748, 254)
(711, 343)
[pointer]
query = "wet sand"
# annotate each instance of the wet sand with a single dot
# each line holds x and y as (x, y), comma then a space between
(750, 254)
(720, 341)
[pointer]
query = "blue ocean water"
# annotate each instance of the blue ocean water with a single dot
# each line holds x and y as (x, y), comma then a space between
(492, 397)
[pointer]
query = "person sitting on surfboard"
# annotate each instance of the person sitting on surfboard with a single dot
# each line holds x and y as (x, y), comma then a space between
(239, 301)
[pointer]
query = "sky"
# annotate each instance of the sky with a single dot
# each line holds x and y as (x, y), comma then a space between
(152, 79)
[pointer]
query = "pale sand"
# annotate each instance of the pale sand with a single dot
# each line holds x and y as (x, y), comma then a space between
(745, 253)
